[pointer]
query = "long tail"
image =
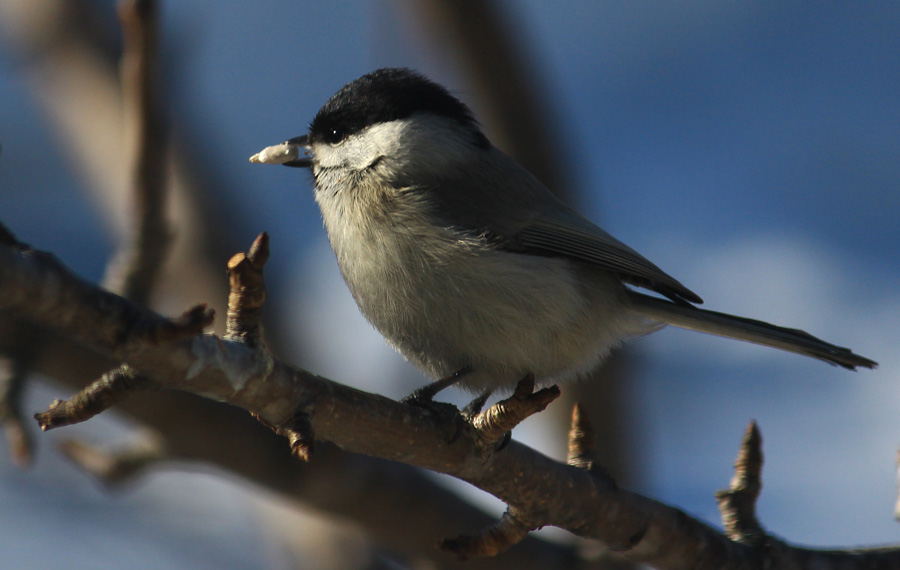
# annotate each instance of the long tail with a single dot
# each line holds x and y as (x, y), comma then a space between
(741, 328)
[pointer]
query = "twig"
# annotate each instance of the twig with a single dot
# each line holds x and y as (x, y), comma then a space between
(738, 503)
(107, 391)
(581, 440)
(247, 293)
(299, 432)
(492, 424)
(582, 452)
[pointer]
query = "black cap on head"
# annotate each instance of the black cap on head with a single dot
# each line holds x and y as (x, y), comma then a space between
(385, 95)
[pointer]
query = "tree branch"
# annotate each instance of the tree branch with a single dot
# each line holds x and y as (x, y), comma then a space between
(537, 489)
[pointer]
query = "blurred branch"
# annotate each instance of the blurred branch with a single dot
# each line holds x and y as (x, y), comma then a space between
(12, 380)
(134, 270)
(538, 490)
(113, 468)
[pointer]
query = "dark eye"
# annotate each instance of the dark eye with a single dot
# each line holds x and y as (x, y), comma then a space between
(334, 136)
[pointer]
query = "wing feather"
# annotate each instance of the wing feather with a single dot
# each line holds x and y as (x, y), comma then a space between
(521, 215)
(564, 232)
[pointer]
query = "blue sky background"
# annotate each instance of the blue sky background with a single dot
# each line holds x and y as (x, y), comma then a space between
(752, 150)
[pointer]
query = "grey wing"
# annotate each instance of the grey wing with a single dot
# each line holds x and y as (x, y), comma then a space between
(565, 232)
(525, 217)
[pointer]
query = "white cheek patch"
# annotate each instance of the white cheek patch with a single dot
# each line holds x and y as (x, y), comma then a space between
(421, 145)
(361, 150)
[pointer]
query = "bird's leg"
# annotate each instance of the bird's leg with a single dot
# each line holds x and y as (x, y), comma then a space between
(425, 395)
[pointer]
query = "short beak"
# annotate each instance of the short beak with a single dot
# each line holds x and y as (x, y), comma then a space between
(303, 142)
(286, 153)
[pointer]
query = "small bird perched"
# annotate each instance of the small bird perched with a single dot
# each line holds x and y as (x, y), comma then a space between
(470, 267)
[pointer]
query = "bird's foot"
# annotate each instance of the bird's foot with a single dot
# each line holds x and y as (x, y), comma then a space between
(424, 396)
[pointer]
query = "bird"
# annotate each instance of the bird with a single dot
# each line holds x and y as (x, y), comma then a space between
(469, 266)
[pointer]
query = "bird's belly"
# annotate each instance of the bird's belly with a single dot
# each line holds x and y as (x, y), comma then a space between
(503, 315)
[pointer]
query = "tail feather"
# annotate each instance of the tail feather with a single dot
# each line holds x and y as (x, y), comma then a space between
(750, 330)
